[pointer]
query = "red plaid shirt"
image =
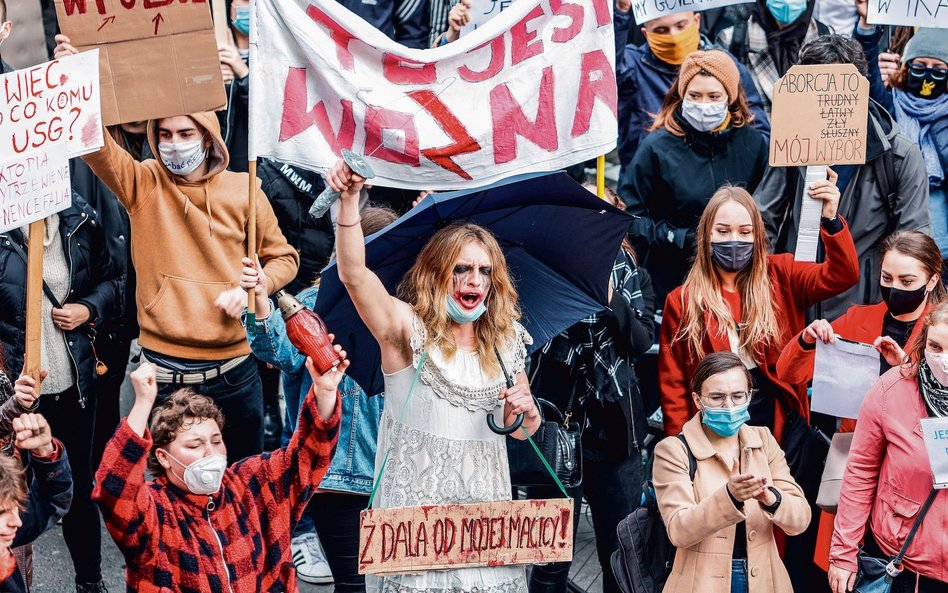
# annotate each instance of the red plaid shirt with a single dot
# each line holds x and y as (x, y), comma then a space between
(177, 542)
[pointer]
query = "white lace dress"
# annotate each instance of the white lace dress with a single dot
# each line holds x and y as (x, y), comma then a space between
(443, 452)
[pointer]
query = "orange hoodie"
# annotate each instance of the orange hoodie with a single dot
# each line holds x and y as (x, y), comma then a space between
(187, 242)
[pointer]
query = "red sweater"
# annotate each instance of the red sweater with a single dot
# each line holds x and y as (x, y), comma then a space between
(175, 541)
(860, 323)
(795, 286)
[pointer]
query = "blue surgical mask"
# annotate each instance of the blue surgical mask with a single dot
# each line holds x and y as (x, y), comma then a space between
(786, 11)
(459, 315)
(725, 421)
(242, 22)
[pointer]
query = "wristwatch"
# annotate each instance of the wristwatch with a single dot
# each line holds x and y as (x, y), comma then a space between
(772, 508)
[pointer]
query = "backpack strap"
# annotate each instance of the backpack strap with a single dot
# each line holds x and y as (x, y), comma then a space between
(692, 462)
(740, 37)
(884, 168)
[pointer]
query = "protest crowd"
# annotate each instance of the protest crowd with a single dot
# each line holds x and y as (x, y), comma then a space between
(288, 308)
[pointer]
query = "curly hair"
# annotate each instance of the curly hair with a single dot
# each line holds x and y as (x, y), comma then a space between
(12, 483)
(426, 285)
(178, 413)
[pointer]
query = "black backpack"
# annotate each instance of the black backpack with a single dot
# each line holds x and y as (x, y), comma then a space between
(645, 555)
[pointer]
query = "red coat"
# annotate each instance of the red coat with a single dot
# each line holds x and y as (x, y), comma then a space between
(174, 541)
(796, 286)
(860, 323)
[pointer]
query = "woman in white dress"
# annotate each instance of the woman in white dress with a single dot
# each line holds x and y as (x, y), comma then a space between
(455, 313)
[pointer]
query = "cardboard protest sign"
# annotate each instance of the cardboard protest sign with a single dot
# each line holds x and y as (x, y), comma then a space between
(482, 11)
(53, 103)
(935, 432)
(533, 89)
(413, 539)
(912, 13)
(158, 57)
(646, 10)
(34, 186)
(820, 115)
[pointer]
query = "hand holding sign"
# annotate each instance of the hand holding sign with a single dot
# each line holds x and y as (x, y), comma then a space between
(458, 18)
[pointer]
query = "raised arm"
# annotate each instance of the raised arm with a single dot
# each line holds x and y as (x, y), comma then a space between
(121, 492)
(388, 318)
(300, 466)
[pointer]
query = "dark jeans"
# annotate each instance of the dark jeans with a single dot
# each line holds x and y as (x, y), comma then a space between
(239, 395)
(613, 490)
(336, 516)
(114, 353)
(739, 576)
(74, 426)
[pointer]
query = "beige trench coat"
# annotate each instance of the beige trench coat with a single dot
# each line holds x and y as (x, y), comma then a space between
(701, 516)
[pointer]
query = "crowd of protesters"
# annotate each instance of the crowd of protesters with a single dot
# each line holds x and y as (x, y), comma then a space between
(205, 486)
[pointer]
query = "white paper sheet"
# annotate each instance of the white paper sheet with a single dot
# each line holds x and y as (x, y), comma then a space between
(843, 373)
(935, 431)
(808, 234)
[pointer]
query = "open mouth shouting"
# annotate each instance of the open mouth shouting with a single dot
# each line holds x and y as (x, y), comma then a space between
(469, 300)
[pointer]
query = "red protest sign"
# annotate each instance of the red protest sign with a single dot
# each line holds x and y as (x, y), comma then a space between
(413, 539)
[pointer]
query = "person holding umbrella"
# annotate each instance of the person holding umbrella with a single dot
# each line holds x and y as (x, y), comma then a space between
(454, 325)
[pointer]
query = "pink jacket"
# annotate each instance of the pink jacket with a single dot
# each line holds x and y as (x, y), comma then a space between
(887, 479)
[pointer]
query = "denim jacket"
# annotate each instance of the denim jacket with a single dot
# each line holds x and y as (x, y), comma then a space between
(353, 464)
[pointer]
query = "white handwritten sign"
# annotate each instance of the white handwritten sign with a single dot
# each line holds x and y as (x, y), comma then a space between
(935, 431)
(647, 10)
(481, 11)
(34, 186)
(913, 13)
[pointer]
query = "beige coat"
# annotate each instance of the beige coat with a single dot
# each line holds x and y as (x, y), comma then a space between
(701, 517)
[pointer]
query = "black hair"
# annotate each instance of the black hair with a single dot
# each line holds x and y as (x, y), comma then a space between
(834, 49)
(3, 11)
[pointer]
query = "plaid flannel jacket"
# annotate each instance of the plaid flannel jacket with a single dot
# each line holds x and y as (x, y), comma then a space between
(761, 65)
(236, 541)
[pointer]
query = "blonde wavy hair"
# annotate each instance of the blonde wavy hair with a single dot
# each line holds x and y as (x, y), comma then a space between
(427, 284)
(701, 292)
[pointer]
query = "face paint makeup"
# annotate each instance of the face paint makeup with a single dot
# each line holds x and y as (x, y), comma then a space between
(470, 284)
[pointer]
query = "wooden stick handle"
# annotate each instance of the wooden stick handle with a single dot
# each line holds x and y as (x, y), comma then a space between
(32, 362)
(601, 176)
(252, 234)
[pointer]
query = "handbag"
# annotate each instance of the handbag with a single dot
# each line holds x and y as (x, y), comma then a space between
(875, 575)
(828, 497)
(805, 447)
(558, 440)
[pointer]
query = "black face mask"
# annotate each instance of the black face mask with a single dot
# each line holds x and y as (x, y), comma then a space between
(732, 256)
(927, 83)
(901, 301)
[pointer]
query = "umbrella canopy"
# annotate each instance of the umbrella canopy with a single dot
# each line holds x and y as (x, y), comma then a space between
(559, 239)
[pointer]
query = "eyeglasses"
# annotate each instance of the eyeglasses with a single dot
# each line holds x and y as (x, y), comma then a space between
(920, 70)
(716, 399)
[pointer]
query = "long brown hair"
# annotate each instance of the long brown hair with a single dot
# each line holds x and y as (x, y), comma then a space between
(923, 249)
(426, 287)
(936, 316)
(740, 111)
(701, 291)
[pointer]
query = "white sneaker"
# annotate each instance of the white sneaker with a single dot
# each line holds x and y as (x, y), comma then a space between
(310, 560)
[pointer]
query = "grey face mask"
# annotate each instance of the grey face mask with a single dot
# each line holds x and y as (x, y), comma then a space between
(732, 256)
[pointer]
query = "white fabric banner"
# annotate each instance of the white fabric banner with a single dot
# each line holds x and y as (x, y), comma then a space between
(533, 89)
(911, 13)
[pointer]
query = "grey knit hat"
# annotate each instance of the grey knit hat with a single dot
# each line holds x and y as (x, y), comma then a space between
(927, 43)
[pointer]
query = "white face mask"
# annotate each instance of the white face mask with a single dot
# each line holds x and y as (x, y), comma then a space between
(704, 117)
(204, 476)
(182, 158)
(938, 363)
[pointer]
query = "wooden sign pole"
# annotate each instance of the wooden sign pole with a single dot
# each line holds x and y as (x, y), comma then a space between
(34, 300)
(252, 242)
(221, 29)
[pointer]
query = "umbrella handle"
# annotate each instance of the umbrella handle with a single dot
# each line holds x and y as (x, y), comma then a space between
(504, 430)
